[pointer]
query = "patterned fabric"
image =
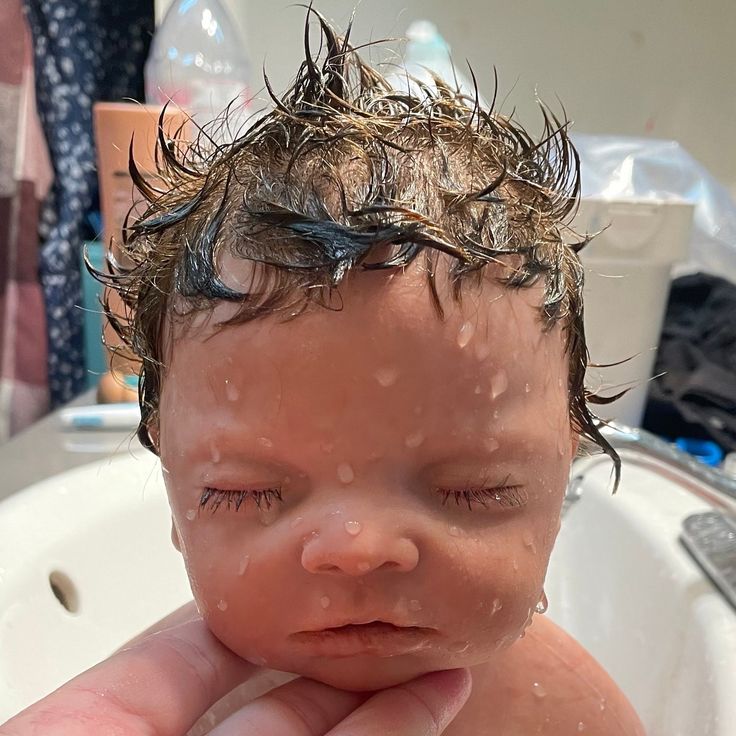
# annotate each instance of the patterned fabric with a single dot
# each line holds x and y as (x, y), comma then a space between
(25, 177)
(84, 52)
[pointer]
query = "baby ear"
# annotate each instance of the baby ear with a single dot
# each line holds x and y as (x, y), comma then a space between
(154, 434)
(175, 540)
(575, 441)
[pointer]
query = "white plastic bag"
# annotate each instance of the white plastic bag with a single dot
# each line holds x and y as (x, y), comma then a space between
(617, 167)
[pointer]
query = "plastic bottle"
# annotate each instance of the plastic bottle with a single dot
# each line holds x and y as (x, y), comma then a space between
(198, 61)
(427, 52)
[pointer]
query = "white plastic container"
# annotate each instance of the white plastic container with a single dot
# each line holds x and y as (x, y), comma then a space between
(198, 61)
(627, 280)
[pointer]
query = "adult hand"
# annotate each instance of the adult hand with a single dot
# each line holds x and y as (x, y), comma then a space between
(163, 682)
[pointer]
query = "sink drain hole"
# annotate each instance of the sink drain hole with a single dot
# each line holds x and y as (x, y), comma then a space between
(64, 590)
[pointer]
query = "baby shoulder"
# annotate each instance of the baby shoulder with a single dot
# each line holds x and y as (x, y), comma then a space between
(569, 690)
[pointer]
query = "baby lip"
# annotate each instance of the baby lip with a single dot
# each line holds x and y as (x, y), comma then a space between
(357, 622)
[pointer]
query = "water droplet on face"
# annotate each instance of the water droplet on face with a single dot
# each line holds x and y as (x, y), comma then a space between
(415, 605)
(345, 473)
(465, 335)
(492, 444)
(499, 384)
(477, 389)
(327, 447)
(222, 605)
(265, 442)
(415, 439)
(497, 606)
(581, 726)
(214, 453)
(231, 392)
(496, 413)
(543, 604)
(386, 376)
(191, 515)
(324, 601)
(527, 388)
(295, 523)
(453, 531)
(243, 566)
(364, 566)
(603, 704)
(353, 528)
(459, 646)
(257, 660)
(529, 541)
(515, 564)
(482, 350)
(538, 690)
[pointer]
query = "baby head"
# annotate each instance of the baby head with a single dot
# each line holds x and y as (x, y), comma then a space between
(362, 349)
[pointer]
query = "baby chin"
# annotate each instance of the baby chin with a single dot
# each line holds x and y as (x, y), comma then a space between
(365, 660)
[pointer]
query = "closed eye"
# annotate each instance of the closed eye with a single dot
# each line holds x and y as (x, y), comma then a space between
(213, 498)
(505, 496)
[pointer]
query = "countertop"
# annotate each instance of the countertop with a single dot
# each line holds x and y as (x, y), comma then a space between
(45, 449)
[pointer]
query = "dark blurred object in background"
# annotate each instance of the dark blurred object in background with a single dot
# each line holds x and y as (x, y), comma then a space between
(697, 395)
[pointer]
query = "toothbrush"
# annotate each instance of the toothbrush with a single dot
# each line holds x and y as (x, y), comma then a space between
(101, 416)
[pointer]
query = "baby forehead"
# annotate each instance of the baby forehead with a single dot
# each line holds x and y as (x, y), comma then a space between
(388, 304)
(385, 324)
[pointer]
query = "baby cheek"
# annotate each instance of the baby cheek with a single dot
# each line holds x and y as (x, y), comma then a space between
(502, 588)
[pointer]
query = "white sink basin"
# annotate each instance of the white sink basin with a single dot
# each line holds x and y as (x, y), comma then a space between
(619, 581)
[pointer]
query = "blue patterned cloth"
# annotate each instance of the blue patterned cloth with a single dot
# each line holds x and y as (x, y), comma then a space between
(85, 51)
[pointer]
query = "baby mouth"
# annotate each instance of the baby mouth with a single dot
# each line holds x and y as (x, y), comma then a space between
(381, 638)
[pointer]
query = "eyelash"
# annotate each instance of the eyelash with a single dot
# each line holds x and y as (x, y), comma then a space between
(215, 498)
(506, 496)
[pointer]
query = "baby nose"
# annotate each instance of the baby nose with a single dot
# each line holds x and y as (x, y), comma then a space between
(339, 552)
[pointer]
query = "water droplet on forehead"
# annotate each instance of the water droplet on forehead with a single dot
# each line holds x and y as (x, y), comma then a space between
(265, 441)
(191, 514)
(386, 376)
(222, 605)
(231, 391)
(482, 350)
(327, 447)
(353, 528)
(499, 384)
(477, 390)
(492, 444)
(515, 564)
(581, 726)
(527, 388)
(465, 335)
(415, 439)
(415, 605)
(345, 473)
(538, 690)
(497, 606)
(243, 566)
(324, 601)
(295, 523)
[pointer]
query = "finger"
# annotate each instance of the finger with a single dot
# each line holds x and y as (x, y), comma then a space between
(421, 707)
(162, 685)
(302, 707)
(187, 612)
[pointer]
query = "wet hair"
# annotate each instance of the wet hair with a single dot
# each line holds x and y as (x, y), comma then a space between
(348, 173)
